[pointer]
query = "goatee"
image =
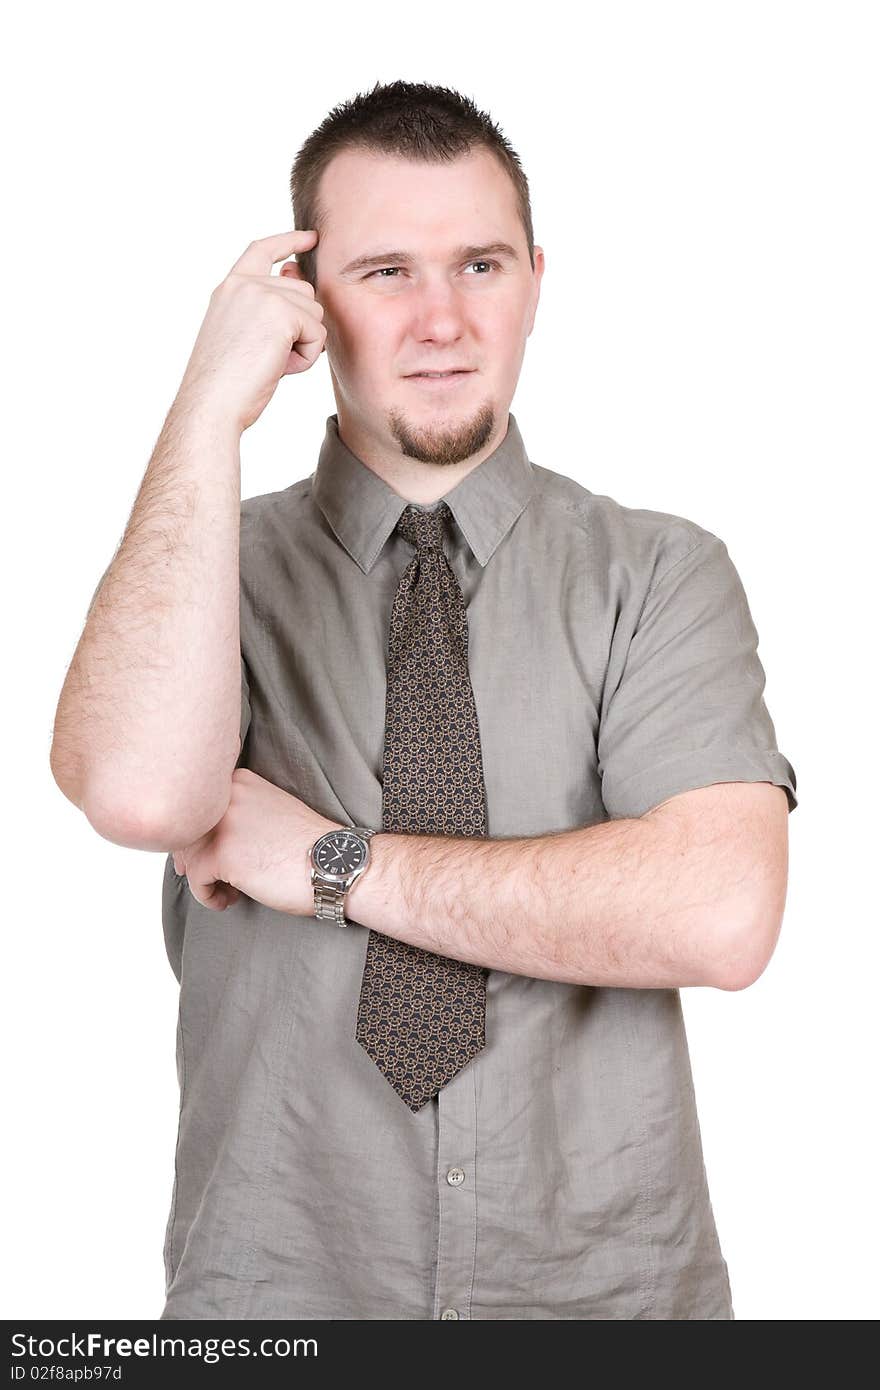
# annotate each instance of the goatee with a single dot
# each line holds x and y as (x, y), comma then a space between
(443, 444)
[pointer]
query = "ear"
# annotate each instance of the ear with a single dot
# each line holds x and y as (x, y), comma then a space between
(538, 275)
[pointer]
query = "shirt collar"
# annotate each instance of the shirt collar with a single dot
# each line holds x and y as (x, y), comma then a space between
(363, 510)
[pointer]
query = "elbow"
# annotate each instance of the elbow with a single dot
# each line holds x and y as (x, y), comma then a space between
(739, 978)
(751, 930)
(142, 821)
(745, 954)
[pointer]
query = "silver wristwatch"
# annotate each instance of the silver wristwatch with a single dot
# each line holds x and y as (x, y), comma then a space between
(337, 859)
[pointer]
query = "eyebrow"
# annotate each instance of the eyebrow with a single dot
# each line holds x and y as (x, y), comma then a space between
(462, 253)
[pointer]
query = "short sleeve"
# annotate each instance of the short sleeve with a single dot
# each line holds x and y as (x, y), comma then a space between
(689, 709)
(245, 701)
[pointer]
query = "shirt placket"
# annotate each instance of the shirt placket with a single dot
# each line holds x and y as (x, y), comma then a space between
(457, 1195)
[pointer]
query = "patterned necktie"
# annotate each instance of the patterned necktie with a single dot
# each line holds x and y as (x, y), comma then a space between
(421, 1016)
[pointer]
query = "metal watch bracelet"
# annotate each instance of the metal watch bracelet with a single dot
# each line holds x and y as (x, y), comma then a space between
(330, 896)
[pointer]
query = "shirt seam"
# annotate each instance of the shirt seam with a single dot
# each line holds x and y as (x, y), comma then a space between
(438, 1191)
(470, 1296)
(666, 573)
(647, 1288)
(246, 1270)
(583, 514)
(172, 1272)
(703, 539)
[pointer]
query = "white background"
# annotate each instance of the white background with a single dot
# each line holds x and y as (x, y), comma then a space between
(704, 185)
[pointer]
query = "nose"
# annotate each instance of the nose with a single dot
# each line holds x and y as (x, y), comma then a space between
(438, 314)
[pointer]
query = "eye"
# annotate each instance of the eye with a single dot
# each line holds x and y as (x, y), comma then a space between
(389, 271)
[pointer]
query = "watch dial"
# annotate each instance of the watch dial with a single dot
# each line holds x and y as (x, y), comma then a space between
(340, 853)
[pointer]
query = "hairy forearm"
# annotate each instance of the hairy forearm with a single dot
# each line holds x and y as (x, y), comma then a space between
(146, 729)
(626, 902)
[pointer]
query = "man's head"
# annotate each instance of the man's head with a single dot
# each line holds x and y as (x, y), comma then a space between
(419, 183)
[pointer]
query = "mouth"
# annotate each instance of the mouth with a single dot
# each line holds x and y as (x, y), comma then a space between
(440, 378)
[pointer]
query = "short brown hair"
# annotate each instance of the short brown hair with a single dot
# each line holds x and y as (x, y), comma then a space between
(410, 119)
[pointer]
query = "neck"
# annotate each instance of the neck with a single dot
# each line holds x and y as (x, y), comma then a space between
(411, 478)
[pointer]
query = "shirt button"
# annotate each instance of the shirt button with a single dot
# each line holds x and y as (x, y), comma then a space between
(449, 1313)
(455, 1177)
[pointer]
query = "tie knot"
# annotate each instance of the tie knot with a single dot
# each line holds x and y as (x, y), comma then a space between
(424, 530)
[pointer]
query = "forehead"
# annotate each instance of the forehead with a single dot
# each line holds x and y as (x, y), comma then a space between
(367, 198)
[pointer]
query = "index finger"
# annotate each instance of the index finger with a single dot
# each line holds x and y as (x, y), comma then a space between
(262, 254)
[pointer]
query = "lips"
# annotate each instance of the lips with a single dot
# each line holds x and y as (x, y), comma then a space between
(433, 376)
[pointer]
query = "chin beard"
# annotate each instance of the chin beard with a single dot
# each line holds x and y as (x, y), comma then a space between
(443, 444)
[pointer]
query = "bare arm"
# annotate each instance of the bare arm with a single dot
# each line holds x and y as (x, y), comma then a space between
(692, 893)
(147, 727)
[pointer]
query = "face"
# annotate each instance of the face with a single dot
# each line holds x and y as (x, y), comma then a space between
(424, 268)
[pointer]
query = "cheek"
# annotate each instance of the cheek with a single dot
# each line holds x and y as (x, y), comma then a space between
(506, 339)
(367, 347)
(505, 327)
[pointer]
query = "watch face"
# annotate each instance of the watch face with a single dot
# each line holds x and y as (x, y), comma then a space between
(340, 853)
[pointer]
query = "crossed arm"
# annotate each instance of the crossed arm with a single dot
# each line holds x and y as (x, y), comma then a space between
(692, 893)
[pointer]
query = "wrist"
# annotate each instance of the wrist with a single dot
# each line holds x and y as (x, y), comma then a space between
(369, 898)
(195, 411)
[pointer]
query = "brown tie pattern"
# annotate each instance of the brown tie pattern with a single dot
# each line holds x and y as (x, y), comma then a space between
(421, 1016)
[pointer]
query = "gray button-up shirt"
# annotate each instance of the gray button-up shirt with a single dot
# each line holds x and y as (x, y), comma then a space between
(560, 1174)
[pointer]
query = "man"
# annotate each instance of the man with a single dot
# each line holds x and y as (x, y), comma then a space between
(507, 734)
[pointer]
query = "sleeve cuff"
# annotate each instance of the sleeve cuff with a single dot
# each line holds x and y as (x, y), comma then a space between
(633, 796)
